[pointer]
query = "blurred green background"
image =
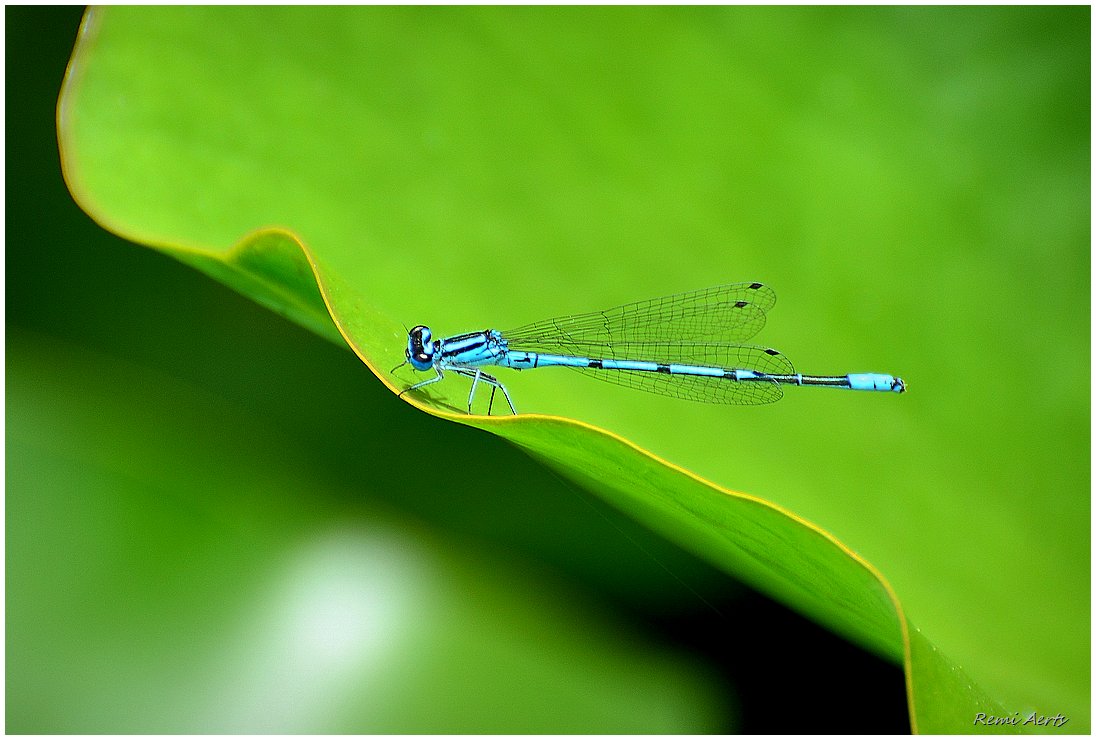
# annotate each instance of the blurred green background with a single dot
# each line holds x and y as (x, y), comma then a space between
(913, 181)
(212, 526)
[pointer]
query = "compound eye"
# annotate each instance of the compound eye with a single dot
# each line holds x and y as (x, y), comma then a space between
(420, 352)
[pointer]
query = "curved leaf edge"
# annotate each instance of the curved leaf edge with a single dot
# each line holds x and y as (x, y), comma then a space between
(258, 267)
(244, 264)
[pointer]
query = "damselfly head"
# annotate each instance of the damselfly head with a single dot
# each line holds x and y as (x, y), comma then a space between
(420, 350)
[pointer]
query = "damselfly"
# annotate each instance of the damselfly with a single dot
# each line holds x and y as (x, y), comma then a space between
(686, 346)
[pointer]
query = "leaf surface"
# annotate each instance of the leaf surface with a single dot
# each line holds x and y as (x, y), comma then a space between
(469, 168)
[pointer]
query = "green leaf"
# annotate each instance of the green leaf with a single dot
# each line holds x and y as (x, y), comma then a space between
(176, 580)
(472, 167)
